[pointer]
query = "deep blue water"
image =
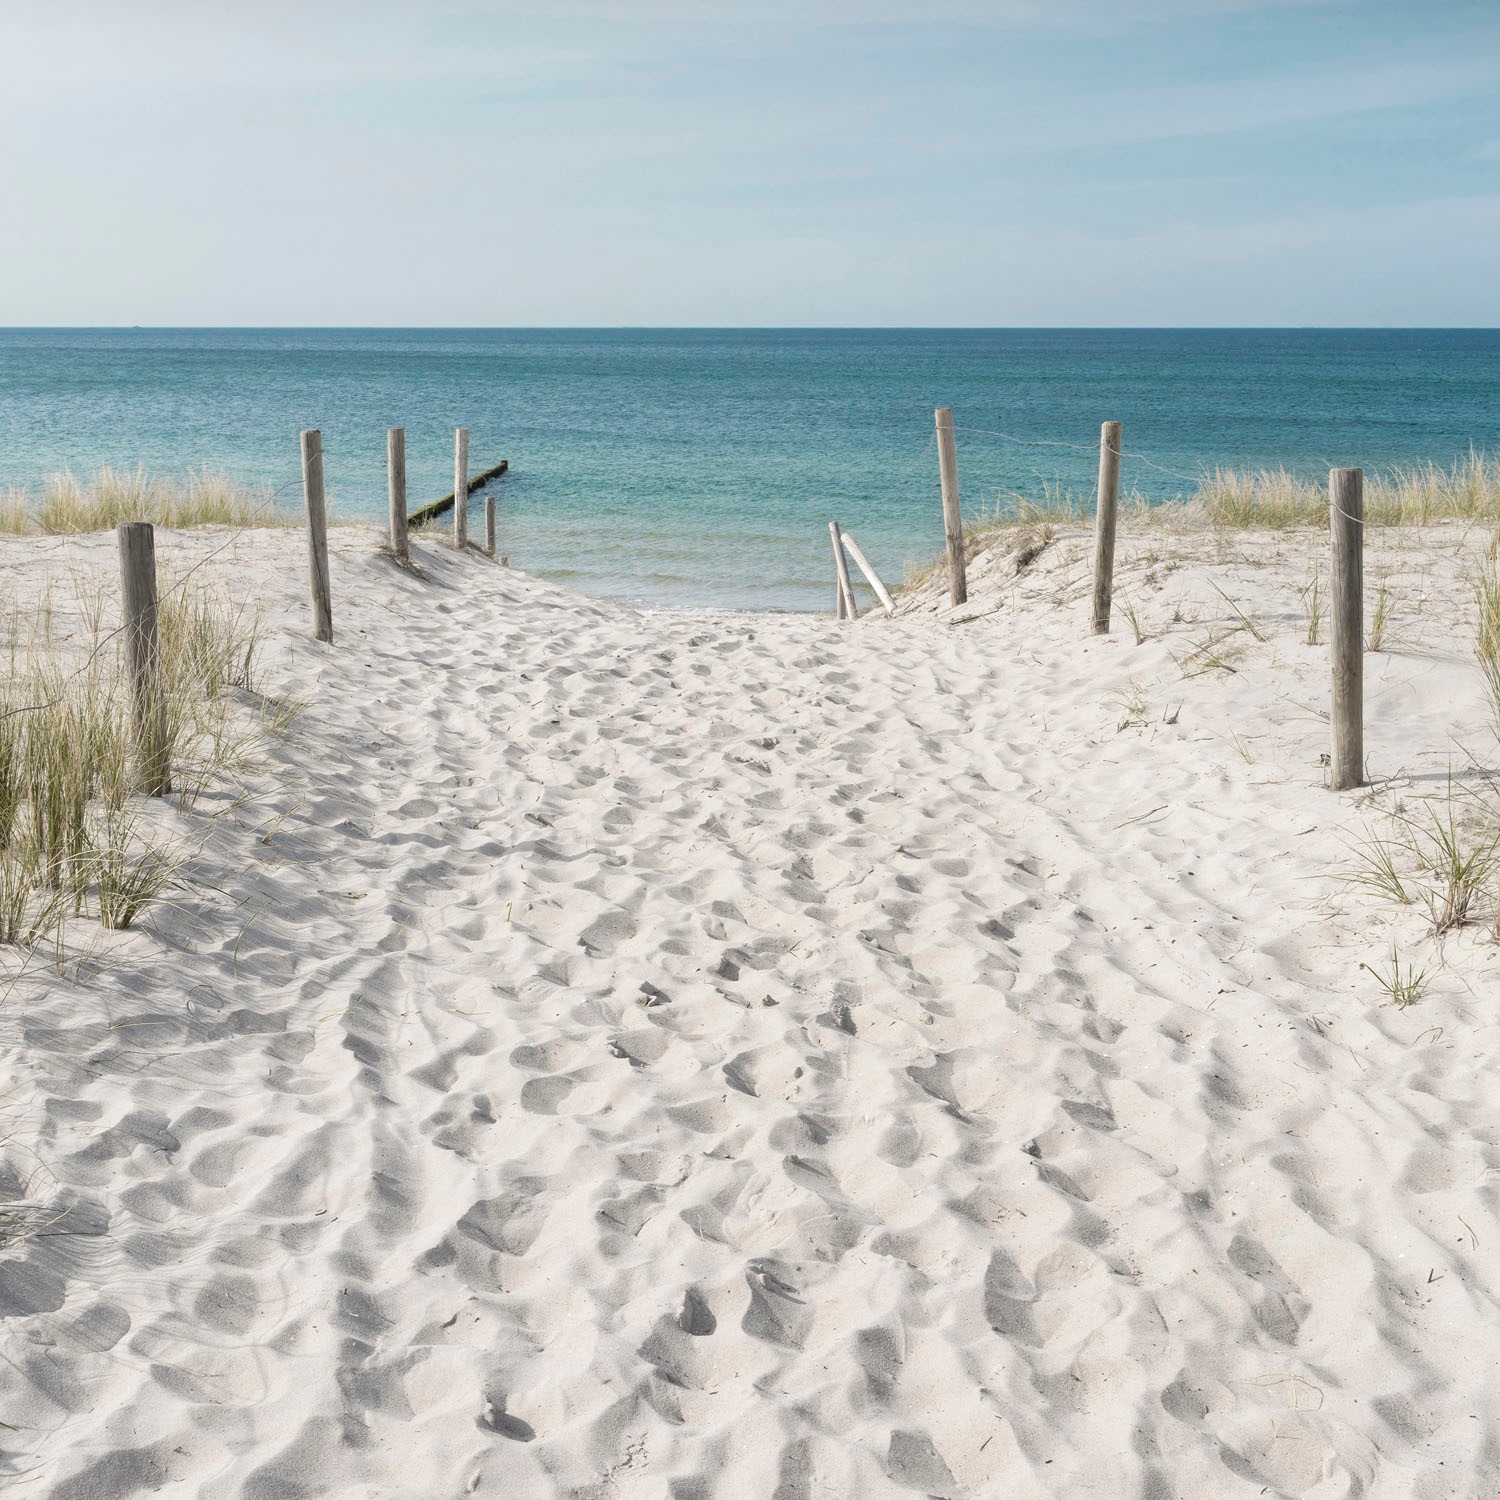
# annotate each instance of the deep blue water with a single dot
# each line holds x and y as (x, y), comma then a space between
(700, 467)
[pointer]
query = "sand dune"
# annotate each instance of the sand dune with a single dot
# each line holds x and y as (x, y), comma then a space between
(669, 1057)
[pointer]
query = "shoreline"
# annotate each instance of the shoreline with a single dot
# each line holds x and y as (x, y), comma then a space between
(703, 445)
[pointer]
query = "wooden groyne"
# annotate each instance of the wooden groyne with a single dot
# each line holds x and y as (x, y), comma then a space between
(443, 506)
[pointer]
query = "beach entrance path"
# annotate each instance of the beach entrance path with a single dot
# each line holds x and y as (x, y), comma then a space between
(610, 1055)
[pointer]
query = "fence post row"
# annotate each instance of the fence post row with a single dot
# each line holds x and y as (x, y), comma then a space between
(953, 521)
(395, 463)
(317, 533)
(1346, 516)
(1106, 510)
(143, 647)
(460, 486)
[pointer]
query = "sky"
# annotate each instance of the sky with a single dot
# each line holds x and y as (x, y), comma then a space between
(507, 163)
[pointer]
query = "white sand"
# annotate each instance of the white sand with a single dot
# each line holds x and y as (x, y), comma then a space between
(754, 1058)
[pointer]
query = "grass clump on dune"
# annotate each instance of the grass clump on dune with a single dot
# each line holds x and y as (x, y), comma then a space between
(205, 498)
(1487, 612)
(74, 839)
(1229, 500)
(13, 514)
(1276, 499)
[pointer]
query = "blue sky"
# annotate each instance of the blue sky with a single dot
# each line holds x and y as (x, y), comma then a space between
(1144, 162)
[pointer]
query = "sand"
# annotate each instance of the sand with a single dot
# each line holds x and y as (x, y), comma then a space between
(677, 1057)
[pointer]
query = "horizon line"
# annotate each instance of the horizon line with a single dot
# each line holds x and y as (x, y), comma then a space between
(749, 327)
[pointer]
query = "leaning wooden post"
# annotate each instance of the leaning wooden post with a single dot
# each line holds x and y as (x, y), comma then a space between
(841, 568)
(1106, 511)
(489, 524)
(1346, 515)
(953, 520)
(143, 647)
(395, 463)
(317, 533)
(460, 486)
(881, 592)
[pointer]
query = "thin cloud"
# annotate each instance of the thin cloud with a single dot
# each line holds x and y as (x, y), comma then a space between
(800, 13)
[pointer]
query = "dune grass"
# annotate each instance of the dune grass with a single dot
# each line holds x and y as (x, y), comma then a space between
(1487, 617)
(206, 497)
(1441, 853)
(1226, 501)
(1419, 495)
(13, 514)
(75, 840)
(1269, 500)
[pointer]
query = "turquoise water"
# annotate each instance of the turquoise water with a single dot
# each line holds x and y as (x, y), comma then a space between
(701, 467)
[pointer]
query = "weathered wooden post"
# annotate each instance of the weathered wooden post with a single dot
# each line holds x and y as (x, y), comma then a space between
(460, 486)
(841, 571)
(317, 533)
(395, 463)
(1346, 515)
(953, 520)
(881, 592)
(1106, 511)
(489, 524)
(143, 648)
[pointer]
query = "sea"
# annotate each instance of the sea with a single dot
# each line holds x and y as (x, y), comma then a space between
(699, 468)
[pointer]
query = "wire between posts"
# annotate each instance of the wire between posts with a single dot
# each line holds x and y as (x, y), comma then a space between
(1132, 453)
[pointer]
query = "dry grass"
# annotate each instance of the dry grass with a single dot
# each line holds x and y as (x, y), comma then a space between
(206, 498)
(74, 840)
(1487, 613)
(1443, 854)
(1232, 500)
(1275, 499)
(13, 514)
(1228, 503)
(1404, 984)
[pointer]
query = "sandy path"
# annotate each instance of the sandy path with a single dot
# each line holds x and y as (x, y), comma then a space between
(746, 1057)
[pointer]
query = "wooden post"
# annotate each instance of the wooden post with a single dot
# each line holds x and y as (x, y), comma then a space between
(460, 486)
(953, 520)
(317, 533)
(841, 568)
(1346, 515)
(1105, 512)
(143, 648)
(395, 463)
(489, 524)
(881, 592)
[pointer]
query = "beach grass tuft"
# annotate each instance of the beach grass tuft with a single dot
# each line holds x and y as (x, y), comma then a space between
(206, 497)
(74, 839)
(1487, 614)
(1226, 501)
(1416, 495)
(1404, 984)
(1443, 854)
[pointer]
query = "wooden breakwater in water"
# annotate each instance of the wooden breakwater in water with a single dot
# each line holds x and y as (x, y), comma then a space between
(443, 506)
